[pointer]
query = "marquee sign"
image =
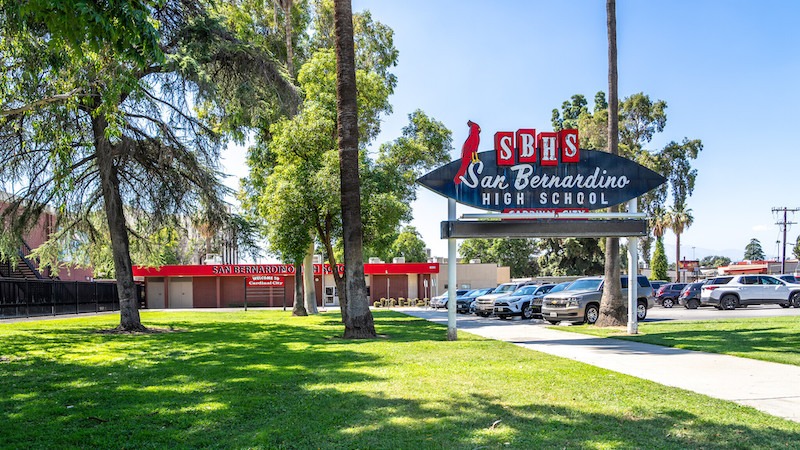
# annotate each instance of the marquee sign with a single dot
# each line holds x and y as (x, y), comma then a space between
(547, 170)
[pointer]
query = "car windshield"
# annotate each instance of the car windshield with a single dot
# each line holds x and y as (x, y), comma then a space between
(789, 278)
(589, 284)
(475, 293)
(504, 288)
(525, 290)
(559, 287)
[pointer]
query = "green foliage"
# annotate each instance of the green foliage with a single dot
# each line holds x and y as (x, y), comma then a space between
(658, 265)
(571, 256)
(162, 117)
(640, 118)
(127, 27)
(518, 254)
(299, 154)
(409, 244)
(796, 249)
(715, 261)
(753, 251)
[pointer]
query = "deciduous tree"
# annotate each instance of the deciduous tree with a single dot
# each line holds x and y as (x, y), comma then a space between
(123, 120)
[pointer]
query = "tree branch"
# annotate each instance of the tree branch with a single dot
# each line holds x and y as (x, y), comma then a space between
(45, 101)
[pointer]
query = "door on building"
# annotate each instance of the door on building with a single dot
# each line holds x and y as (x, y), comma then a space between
(388, 286)
(155, 293)
(180, 293)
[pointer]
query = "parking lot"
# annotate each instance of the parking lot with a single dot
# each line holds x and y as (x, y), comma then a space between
(656, 313)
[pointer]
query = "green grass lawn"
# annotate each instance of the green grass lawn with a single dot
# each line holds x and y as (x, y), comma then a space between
(775, 339)
(262, 379)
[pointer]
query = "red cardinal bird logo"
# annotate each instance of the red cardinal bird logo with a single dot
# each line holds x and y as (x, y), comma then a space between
(469, 152)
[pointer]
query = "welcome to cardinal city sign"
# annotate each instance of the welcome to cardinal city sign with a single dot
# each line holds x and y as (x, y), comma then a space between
(544, 171)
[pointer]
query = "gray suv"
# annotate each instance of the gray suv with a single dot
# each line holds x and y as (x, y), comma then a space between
(580, 301)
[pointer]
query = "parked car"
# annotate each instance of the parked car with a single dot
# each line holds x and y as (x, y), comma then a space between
(743, 290)
(484, 306)
(580, 301)
(667, 294)
(690, 295)
(655, 284)
(520, 302)
(440, 301)
(538, 297)
(789, 278)
(464, 302)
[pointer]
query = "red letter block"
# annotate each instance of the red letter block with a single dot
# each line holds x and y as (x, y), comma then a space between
(504, 146)
(526, 145)
(547, 144)
(570, 146)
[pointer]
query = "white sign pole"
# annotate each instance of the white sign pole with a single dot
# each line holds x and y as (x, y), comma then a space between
(452, 282)
(633, 282)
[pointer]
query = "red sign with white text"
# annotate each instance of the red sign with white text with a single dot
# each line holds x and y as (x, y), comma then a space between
(252, 270)
(265, 281)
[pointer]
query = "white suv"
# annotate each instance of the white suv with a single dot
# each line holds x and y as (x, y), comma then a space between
(743, 290)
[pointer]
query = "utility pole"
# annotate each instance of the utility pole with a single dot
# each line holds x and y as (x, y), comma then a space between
(784, 225)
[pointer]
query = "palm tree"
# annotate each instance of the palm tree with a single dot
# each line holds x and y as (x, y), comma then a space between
(679, 219)
(613, 309)
(358, 322)
(659, 223)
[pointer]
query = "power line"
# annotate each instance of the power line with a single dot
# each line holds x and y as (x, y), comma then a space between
(784, 226)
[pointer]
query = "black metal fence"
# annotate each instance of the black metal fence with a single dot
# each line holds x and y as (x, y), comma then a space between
(26, 298)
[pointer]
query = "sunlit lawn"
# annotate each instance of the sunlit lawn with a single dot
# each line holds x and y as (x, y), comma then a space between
(262, 379)
(775, 339)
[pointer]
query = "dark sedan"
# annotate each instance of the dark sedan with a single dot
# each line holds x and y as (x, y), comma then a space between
(667, 294)
(690, 295)
(464, 302)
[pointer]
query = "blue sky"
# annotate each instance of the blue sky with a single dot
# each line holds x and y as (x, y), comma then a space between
(728, 71)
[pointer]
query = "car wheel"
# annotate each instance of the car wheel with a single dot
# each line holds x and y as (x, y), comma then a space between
(796, 300)
(728, 302)
(527, 312)
(592, 314)
(552, 322)
(641, 311)
(692, 304)
(668, 303)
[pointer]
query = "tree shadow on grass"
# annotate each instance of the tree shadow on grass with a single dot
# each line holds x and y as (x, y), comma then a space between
(258, 384)
(747, 342)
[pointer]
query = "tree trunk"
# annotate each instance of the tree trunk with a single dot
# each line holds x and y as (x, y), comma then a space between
(287, 29)
(309, 287)
(677, 257)
(112, 200)
(360, 323)
(613, 308)
(325, 237)
(298, 309)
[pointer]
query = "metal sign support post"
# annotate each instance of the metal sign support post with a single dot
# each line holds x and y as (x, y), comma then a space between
(452, 282)
(633, 281)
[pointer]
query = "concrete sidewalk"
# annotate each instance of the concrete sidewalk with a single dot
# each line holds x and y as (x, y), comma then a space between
(769, 387)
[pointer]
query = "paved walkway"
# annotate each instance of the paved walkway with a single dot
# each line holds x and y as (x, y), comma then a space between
(769, 387)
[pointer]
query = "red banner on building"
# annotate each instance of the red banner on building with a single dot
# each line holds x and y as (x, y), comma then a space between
(253, 270)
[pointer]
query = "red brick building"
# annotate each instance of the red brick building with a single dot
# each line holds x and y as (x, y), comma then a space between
(231, 285)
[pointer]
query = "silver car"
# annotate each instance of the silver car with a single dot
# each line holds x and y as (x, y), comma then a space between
(580, 301)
